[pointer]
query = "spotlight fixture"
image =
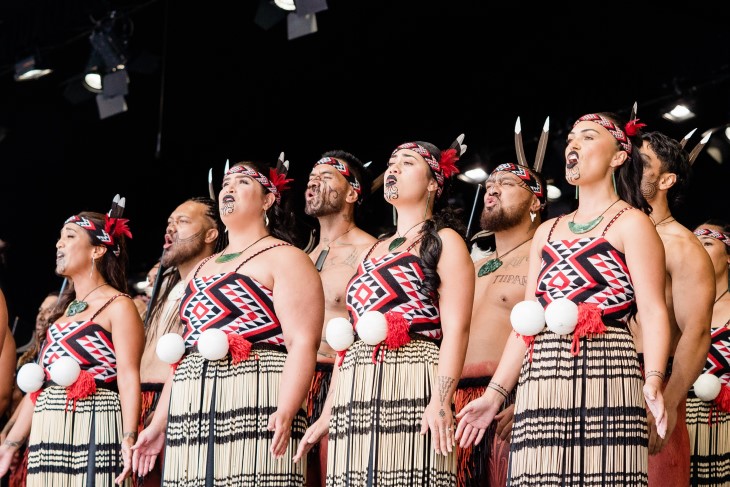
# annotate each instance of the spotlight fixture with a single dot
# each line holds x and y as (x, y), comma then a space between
(679, 113)
(108, 52)
(30, 68)
(473, 176)
(287, 5)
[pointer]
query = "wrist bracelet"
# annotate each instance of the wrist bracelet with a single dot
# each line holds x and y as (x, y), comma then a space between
(654, 373)
(494, 386)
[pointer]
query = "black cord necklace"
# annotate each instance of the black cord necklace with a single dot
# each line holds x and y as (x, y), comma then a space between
(229, 257)
(493, 264)
(325, 251)
(397, 242)
(720, 296)
(77, 306)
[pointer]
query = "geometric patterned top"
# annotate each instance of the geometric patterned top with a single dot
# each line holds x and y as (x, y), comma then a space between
(231, 302)
(718, 359)
(391, 283)
(587, 270)
(87, 342)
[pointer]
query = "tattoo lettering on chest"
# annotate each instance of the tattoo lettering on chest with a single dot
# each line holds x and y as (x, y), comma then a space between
(516, 261)
(511, 279)
(445, 384)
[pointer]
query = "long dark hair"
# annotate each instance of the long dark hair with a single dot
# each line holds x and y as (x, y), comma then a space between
(444, 216)
(628, 175)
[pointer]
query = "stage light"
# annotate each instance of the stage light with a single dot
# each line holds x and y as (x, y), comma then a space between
(108, 40)
(679, 113)
(30, 68)
(287, 5)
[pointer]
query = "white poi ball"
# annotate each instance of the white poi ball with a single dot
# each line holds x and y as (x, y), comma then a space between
(170, 348)
(527, 318)
(707, 387)
(372, 327)
(561, 316)
(339, 333)
(65, 371)
(31, 377)
(213, 344)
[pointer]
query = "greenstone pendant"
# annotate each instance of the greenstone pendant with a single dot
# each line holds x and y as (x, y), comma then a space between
(227, 257)
(489, 267)
(397, 242)
(76, 307)
(584, 227)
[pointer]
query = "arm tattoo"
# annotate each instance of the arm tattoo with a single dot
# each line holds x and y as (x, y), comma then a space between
(445, 384)
(15, 444)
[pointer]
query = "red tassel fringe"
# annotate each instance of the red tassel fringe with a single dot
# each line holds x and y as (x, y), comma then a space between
(341, 356)
(34, 395)
(722, 401)
(398, 329)
(589, 324)
(84, 386)
(239, 347)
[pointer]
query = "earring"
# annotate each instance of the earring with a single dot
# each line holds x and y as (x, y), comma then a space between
(93, 265)
(395, 217)
(613, 178)
(428, 200)
(576, 192)
(266, 219)
(532, 216)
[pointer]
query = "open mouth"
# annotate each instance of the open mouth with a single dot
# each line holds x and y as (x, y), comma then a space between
(572, 160)
(168, 241)
(390, 180)
(227, 199)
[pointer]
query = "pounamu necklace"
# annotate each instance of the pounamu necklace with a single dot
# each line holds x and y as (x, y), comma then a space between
(229, 257)
(589, 225)
(493, 264)
(325, 251)
(77, 306)
(398, 241)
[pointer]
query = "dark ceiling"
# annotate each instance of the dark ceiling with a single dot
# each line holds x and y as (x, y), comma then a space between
(221, 80)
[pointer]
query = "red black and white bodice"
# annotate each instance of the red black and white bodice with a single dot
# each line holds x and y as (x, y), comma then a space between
(85, 341)
(587, 270)
(718, 359)
(391, 283)
(232, 302)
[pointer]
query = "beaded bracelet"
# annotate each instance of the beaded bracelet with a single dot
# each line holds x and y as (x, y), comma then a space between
(654, 373)
(504, 392)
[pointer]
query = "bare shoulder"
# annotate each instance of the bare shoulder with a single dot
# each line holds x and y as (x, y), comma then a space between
(681, 245)
(361, 238)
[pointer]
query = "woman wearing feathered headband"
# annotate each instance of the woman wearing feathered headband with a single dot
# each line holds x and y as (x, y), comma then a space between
(81, 412)
(708, 404)
(232, 410)
(409, 301)
(580, 416)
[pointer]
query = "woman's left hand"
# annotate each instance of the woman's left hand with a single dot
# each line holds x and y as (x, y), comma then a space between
(440, 421)
(655, 402)
(280, 424)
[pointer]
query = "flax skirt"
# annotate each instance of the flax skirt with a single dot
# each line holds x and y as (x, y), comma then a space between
(70, 448)
(580, 420)
(374, 437)
(709, 442)
(217, 424)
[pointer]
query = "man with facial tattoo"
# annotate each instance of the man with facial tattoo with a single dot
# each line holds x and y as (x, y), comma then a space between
(514, 200)
(193, 232)
(690, 290)
(336, 187)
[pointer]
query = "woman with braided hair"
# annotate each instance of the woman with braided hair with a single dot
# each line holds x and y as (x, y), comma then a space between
(81, 411)
(232, 411)
(390, 408)
(581, 391)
